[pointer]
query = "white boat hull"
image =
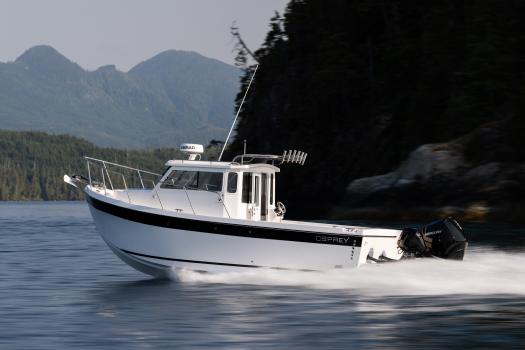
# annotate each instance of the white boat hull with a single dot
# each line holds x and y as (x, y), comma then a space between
(158, 248)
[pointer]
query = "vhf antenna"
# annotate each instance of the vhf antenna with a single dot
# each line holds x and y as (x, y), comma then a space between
(238, 111)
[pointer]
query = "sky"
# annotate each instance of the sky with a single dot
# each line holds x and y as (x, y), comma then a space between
(125, 32)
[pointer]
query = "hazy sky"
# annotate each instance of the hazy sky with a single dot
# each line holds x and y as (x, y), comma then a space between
(125, 32)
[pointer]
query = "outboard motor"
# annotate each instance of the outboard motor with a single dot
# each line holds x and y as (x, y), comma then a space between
(442, 238)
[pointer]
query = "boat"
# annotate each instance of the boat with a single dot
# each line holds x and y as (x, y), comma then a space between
(217, 216)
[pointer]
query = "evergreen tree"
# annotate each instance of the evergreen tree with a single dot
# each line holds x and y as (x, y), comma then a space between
(358, 84)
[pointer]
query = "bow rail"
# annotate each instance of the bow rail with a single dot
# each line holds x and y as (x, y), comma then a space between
(105, 173)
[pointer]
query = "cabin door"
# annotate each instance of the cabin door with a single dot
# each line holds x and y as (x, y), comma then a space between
(264, 196)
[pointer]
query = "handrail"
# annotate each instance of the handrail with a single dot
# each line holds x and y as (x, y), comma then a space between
(105, 172)
(126, 187)
(250, 157)
(122, 166)
(221, 199)
(158, 197)
(109, 177)
(104, 181)
(191, 205)
(89, 172)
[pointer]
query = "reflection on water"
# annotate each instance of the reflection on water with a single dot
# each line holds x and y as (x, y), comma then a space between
(60, 287)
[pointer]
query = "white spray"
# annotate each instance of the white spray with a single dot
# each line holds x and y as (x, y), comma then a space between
(483, 272)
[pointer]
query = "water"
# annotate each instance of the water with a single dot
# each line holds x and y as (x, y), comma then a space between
(62, 288)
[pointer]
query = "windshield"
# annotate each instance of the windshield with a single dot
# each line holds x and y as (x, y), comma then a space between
(193, 180)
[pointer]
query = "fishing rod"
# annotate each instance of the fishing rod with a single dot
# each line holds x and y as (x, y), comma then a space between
(238, 111)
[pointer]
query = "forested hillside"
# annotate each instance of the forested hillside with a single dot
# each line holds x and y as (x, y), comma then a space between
(174, 97)
(32, 164)
(361, 84)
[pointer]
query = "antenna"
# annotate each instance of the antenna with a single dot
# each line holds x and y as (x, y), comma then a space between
(238, 111)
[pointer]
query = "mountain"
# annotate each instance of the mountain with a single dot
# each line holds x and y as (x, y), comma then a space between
(206, 93)
(174, 97)
(401, 105)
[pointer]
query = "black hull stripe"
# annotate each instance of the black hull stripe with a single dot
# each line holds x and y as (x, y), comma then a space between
(223, 228)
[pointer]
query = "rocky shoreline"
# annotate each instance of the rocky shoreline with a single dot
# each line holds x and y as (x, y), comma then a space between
(472, 178)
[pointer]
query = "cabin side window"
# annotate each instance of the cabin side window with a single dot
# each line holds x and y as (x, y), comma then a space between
(193, 180)
(246, 187)
(232, 182)
(255, 198)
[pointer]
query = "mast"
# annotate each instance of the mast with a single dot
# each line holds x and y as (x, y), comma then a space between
(238, 111)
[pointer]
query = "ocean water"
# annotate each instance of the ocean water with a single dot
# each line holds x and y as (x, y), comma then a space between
(62, 288)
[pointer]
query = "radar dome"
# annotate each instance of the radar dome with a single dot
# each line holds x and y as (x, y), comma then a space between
(192, 150)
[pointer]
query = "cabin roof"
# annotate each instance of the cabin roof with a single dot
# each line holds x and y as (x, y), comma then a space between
(180, 163)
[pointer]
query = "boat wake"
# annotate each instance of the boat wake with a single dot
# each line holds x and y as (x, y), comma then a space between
(483, 272)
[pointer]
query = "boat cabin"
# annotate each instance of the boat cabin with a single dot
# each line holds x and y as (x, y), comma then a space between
(224, 189)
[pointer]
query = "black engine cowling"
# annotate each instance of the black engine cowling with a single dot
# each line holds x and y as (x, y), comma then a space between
(442, 238)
